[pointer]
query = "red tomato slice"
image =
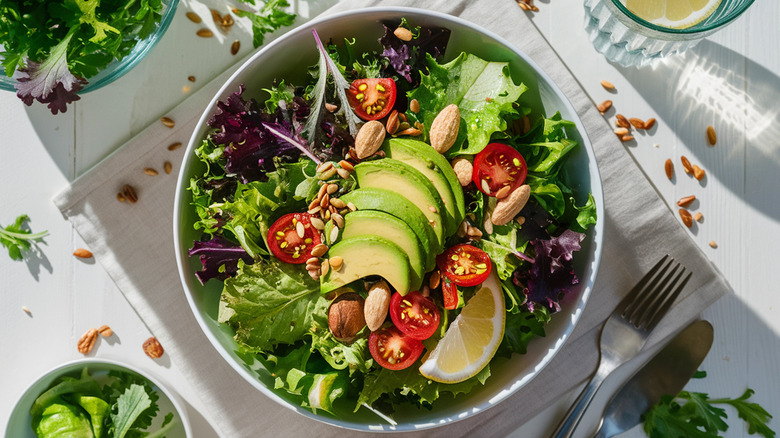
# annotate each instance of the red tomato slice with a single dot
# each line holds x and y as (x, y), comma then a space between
(498, 166)
(392, 349)
(415, 315)
(286, 243)
(449, 293)
(372, 98)
(465, 265)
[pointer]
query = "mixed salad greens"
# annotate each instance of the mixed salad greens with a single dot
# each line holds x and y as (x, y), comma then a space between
(296, 222)
(123, 405)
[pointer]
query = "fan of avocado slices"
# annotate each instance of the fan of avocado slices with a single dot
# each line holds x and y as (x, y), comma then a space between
(347, 244)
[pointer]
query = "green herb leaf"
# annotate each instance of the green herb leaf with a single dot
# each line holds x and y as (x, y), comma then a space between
(129, 408)
(15, 238)
(269, 18)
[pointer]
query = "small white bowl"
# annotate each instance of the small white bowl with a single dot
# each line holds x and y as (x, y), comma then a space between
(288, 58)
(19, 423)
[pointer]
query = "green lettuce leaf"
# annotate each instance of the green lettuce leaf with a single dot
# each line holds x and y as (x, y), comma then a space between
(129, 408)
(273, 302)
(383, 383)
(483, 91)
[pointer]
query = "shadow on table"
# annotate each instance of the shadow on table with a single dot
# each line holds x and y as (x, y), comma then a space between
(707, 85)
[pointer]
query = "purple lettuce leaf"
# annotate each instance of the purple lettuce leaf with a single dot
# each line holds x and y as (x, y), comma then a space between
(407, 58)
(249, 146)
(50, 81)
(219, 257)
(552, 274)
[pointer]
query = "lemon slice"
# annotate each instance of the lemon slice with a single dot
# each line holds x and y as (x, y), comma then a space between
(677, 14)
(472, 339)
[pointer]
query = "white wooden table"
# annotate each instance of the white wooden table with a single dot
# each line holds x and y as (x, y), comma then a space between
(730, 81)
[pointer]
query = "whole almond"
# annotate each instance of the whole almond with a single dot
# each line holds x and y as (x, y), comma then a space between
(204, 33)
(637, 123)
(151, 172)
(686, 217)
(621, 131)
(195, 18)
(649, 123)
(503, 192)
(82, 253)
(686, 201)
(463, 170)
(235, 47)
(604, 106)
(376, 305)
(320, 249)
(669, 168)
(168, 167)
(686, 164)
(392, 122)
(403, 34)
(174, 146)
(168, 122)
(507, 208)
(607, 85)
(626, 138)
(622, 121)
(711, 136)
(444, 128)
(369, 139)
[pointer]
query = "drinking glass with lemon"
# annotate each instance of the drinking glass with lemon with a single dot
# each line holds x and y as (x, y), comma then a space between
(639, 32)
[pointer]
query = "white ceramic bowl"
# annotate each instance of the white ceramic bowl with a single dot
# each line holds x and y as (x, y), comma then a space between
(288, 58)
(19, 423)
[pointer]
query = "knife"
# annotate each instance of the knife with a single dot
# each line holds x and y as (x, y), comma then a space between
(665, 374)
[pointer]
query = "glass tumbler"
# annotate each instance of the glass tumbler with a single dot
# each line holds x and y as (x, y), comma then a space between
(628, 40)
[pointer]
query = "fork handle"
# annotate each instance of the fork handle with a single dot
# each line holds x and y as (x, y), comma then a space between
(572, 418)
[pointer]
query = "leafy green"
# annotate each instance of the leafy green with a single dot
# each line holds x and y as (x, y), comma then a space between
(273, 302)
(62, 419)
(694, 414)
(15, 238)
(520, 329)
(484, 92)
(409, 385)
(130, 406)
(270, 17)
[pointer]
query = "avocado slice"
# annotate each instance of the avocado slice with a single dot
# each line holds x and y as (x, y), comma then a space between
(405, 180)
(400, 207)
(364, 256)
(437, 169)
(381, 224)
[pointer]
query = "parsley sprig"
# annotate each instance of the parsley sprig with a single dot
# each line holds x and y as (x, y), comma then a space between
(15, 238)
(696, 415)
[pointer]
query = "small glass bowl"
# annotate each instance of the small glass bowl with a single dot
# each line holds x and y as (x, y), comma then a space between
(117, 68)
(628, 40)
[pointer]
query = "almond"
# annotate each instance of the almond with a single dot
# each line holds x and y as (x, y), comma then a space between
(637, 123)
(444, 128)
(686, 164)
(607, 85)
(686, 201)
(414, 106)
(392, 122)
(369, 139)
(82, 253)
(507, 208)
(621, 131)
(649, 123)
(604, 106)
(622, 121)
(403, 34)
(669, 168)
(376, 305)
(463, 170)
(711, 136)
(686, 217)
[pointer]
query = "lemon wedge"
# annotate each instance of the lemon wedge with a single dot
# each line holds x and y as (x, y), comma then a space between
(677, 14)
(472, 339)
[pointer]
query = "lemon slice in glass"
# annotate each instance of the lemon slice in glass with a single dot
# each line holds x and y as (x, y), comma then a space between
(677, 14)
(472, 339)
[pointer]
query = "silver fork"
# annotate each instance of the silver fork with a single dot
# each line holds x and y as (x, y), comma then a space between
(627, 329)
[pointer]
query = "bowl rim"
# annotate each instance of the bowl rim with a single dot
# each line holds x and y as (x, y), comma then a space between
(592, 264)
(174, 397)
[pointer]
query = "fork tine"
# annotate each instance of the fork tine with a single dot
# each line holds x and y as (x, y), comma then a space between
(658, 286)
(666, 304)
(630, 298)
(646, 285)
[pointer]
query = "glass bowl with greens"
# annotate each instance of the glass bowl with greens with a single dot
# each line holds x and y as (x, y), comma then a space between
(52, 51)
(98, 398)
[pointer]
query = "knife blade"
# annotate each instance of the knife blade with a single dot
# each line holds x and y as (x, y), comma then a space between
(665, 374)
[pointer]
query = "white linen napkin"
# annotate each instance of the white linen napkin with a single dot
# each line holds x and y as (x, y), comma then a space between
(134, 243)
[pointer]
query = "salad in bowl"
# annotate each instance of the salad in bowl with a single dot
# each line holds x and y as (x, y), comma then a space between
(371, 231)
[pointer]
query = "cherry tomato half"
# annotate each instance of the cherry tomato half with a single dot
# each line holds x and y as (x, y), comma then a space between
(449, 292)
(465, 265)
(415, 315)
(286, 243)
(392, 349)
(498, 166)
(372, 98)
